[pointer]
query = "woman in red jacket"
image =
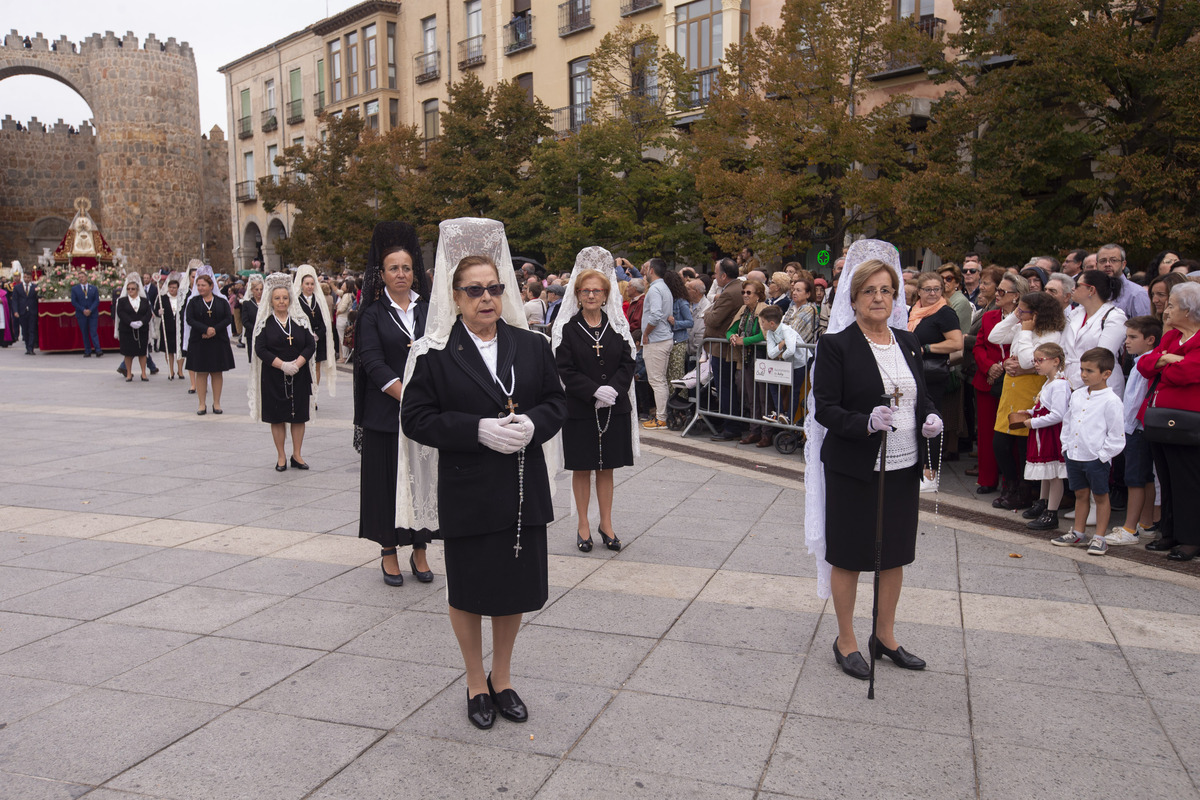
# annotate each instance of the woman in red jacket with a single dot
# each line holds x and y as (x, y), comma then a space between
(1175, 365)
(989, 372)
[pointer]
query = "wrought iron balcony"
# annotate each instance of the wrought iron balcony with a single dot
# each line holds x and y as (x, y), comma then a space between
(245, 128)
(633, 6)
(518, 35)
(569, 119)
(703, 83)
(295, 111)
(270, 121)
(247, 192)
(896, 65)
(318, 102)
(427, 66)
(470, 52)
(574, 16)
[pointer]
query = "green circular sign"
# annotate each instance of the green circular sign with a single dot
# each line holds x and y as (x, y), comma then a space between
(823, 258)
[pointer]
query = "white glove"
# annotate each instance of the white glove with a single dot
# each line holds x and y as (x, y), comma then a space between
(495, 434)
(289, 368)
(135, 325)
(605, 396)
(881, 419)
(932, 427)
(524, 425)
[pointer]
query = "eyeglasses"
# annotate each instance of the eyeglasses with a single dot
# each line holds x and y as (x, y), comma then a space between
(931, 290)
(476, 292)
(591, 292)
(1042, 359)
(885, 292)
(749, 292)
(1106, 261)
(970, 272)
(1022, 312)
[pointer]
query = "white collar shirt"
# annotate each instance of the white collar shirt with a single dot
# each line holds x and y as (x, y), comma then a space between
(1094, 428)
(408, 319)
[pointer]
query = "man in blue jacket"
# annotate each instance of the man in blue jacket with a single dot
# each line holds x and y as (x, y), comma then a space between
(85, 297)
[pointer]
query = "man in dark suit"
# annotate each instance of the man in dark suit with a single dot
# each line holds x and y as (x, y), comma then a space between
(85, 297)
(25, 304)
(717, 320)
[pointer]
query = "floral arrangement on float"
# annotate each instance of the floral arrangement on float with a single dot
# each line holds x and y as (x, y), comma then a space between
(83, 250)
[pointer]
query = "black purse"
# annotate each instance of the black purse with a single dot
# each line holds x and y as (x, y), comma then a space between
(1170, 425)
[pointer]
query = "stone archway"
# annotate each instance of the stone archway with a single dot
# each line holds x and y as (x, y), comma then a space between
(252, 246)
(273, 262)
(45, 233)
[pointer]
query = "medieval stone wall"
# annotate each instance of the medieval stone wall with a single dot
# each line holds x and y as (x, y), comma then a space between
(218, 239)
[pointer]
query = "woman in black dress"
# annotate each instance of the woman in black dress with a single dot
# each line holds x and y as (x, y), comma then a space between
(281, 372)
(483, 391)
(170, 313)
(316, 308)
(391, 317)
(209, 355)
(133, 325)
(250, 308)
(595, 362)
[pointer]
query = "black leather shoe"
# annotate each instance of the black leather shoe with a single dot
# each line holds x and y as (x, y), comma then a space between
(1161, 545)
(480, 711)
(218, 411)
(191, 391)
(584, 545)
(611, 542)
(281, 467)
(1035, 510)
(725, 437)
(202, 412)
(423, 577)
(297, 464)
(1183, 552)
(900, 657)
(985, 489)
(853, 665)
(389, 578)
(1048, 521)
(508, 703)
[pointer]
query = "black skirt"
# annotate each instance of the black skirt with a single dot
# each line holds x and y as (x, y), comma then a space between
(209, 355)
(484, 576)
(581, 442)
(850, 511)
(285, 399)
(377, 494)
(133, 342)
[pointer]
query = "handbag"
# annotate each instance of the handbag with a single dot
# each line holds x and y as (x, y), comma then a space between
(1170, 425)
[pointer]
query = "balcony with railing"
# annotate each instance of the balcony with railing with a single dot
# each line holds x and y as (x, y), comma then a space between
(630, 7)
(246, 191)
(896, 65)
(318, 102)
(245, 127)
(704, 82)
(574, 16)
(569, 119)
(270, 120)
(470, 52)
(427, 66)
(295, 111)
(518, 35)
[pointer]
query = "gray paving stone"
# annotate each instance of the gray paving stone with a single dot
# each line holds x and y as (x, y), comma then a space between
(1130, 592)
(687, 522)
(365, 585)
(105, 732)
(746, 627)
(772, 560)
(301, 622)
(587, 657)
(196, 609)
(356, 690)
(684, 738)
(578, 780)
(1015, 772)
(612, 612)
(932, 574)
(214, 670)
(414, 636)
(665, 550)
(20, 697)
(274, 576)
(16, 581)
(90, 653)
(1020, 582)
(18, 545)
(306, 518)
(29, 788)
(1178, 718)
(756, 496)
(406, 765)
(1035, 659)
(249, 754)
(1163, 673)
(85, 597)
(830, 760)
(17, 630)
(975, 549)
(173, 565)
(739, 677)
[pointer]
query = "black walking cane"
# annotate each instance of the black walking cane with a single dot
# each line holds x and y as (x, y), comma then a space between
(878, 552)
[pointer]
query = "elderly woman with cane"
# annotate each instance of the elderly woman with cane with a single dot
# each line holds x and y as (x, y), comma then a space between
(866, 430)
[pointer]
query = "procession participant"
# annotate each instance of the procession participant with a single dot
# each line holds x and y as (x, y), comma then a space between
(316, 307)
(208, 317)
(593, 350)
(189, 291)
(134, 314)
(250, 309)
(170, 304)
(280, 385)
(481, 408)
(24, 302)
(85, 297)
(391, 317)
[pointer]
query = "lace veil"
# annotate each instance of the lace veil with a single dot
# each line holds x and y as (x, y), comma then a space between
(416, 474)
(196, 269)
(322, 306)
(134, 277)
(176, 303)
(277, 280)
(840, 317)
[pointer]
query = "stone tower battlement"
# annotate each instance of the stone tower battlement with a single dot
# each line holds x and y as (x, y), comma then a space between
(36, 126)
(63, 46)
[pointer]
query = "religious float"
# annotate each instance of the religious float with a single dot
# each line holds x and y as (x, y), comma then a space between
(82, 251)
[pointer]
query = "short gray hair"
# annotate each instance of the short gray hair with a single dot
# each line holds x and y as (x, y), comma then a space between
(1068, 283)
(1112, 247)
(638, 285)
(1187, 299)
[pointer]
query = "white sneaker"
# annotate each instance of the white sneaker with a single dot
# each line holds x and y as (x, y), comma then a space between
(1091, 520)
(1148, 534)
(1119, 535)
(929, 484)
(1098, 546)
(1070, 539)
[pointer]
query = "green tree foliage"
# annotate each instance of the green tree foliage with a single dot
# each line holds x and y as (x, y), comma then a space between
(338, 188)
(1066, 123)
(787, 154)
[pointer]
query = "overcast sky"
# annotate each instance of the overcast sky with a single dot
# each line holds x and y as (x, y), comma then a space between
(219, 31)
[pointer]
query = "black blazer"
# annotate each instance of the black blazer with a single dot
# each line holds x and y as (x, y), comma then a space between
(846, 386)
(199, 320)
(582, 372)
(26, 305)
(449, 392)
(381, 348)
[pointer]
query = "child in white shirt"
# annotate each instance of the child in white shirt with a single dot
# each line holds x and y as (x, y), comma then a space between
(784, 344)
(1142, 334)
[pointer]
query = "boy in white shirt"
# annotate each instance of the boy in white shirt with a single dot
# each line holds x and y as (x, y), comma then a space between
(783, 344)
(1142, 334)
(1093, 433)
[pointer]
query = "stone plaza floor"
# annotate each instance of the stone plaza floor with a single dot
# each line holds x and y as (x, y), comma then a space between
(179, 621)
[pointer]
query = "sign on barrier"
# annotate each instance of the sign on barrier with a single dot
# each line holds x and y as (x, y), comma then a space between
(776, 372)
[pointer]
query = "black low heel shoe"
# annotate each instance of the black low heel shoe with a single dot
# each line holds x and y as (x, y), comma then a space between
(900, 657)
(297, 464)
(281, 467)
(389, 578)
(611, 542)
(1161, 545)
(584, 545)
(423, 577)
(508, 703)
(480, 711)
(853, 665)
(1183, 552)
(202, 412)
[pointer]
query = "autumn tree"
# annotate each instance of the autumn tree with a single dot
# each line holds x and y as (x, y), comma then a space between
(1066, 123)
(786, 154)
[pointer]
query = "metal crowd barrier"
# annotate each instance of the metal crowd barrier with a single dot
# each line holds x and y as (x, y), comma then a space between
(748, 392)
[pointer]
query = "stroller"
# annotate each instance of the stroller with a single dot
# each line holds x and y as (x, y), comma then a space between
(681, 403)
